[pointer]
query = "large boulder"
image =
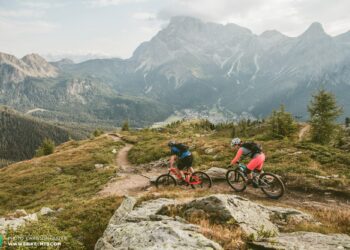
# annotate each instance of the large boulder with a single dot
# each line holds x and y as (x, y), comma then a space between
(142, 228)
(305, 240)
(14, 223)
(255, 220)
(217, 174)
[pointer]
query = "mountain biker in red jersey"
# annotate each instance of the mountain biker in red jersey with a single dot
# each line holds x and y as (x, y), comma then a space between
(181, 153)
(252, 150)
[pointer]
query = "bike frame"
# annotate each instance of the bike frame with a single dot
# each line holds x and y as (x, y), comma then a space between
(196, 180)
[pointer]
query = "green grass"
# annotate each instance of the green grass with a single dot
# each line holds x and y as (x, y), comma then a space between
(297, 162)
(65, 179)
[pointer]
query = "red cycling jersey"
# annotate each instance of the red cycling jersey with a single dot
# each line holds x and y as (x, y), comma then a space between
(256, 163)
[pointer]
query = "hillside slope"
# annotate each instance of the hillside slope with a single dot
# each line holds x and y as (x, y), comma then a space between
(21, 135)
(66, 179)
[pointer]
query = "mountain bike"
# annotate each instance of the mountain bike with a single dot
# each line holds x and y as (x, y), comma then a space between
(197, 179)
(269, 183)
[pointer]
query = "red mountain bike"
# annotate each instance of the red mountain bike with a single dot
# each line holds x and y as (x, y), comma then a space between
(197, 179)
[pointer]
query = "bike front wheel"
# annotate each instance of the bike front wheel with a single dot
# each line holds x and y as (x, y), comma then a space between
(236, 180)
(200, 179)
(271, 185)
(165, 181)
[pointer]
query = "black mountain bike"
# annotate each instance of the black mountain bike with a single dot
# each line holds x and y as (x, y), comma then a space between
(269, 183)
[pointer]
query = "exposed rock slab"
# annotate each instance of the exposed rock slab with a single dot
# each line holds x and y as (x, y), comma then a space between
(305, 240)
(254, 219)
(141, 228)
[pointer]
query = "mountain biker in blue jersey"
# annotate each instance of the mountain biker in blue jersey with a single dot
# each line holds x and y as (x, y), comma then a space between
(181, 153)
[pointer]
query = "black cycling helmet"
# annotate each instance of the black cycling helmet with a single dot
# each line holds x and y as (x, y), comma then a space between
(171, 143)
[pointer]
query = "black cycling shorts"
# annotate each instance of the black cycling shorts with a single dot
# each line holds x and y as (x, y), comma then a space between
(185, 162)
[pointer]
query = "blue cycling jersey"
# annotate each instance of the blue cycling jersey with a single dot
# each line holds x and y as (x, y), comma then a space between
(181, 155)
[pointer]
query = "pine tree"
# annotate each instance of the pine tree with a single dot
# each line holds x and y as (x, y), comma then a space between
(281, 123)
(323, 111)
(347, 122)
(125, 126)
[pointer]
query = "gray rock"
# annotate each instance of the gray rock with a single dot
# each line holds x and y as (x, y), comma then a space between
(305, 240)
(254, 219)
(122, 212)
(98, 166)
(281, 215)
(14, 223)
(149, 208)
(217, 173)
(142, 228)
(20, 213)
(60, 209)
(209, 151)
(46, 211)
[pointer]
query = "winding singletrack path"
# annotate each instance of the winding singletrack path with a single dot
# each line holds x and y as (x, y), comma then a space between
(303, 131)
(127, 181)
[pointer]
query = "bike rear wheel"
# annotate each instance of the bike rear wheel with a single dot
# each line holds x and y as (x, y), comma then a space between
(271, 185)
(165, 181)
(200, 179)
(236, 180)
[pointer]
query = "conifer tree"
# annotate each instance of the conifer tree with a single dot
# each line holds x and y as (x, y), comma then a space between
(125, 126)
(347, 122)
(281, 123)
(323, 111)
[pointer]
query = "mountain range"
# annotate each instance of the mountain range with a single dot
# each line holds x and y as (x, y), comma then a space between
(190, 64)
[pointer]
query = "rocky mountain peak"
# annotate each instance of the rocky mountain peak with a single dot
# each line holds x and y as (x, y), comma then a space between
(314, 31)
(271, 34)
(33, 58)
(32, 65)
(184, 20)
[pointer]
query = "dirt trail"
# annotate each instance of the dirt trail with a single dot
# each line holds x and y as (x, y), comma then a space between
(129, 180)
(303, 131)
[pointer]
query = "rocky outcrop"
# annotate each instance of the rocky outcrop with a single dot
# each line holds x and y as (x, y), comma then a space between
(142, 228)
(148, 225)
(305, 240)
(254, 219)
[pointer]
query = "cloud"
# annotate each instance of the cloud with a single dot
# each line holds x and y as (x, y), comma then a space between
(143, 16)
(105, 3)
(288, 16)
(42, 4)
(15, 28)
(25, 13)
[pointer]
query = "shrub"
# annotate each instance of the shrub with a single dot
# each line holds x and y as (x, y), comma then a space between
(46, 148)
(97, 132)
(281, 123)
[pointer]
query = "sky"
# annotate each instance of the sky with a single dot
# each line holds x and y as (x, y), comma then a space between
(114, 28)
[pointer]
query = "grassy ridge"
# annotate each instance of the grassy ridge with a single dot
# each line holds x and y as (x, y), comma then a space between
(300, 163)
(66, 179)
